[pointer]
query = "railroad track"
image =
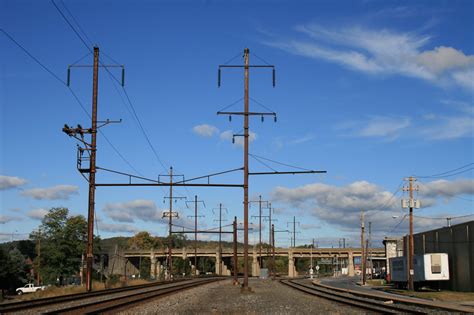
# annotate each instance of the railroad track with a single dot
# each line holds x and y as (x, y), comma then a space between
(110, 299)
(367, 302)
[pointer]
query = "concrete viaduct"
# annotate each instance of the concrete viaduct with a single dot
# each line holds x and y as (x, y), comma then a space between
(342, 255)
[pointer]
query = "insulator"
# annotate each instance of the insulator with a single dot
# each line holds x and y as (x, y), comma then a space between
(230, 117)
(233, 139)
(275, 118)
(68, 76)
(274, 77)
(123, 76)
(219, 77)
(262, 118)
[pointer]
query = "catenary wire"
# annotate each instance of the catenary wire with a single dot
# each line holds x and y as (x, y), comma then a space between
(79, 102)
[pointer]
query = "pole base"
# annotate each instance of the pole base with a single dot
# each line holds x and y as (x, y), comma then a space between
(246, 290)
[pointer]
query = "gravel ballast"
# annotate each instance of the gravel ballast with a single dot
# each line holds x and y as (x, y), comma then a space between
(268, 297)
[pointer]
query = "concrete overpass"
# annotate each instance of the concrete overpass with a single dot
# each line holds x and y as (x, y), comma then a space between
(344, 256)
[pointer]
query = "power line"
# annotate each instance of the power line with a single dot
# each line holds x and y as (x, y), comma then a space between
(79, 102)
(448, 172)
(444, 218)
(78, 25)
(72, 27)
(33, 57)
(396, 226)
(276, 162)
(124, 90)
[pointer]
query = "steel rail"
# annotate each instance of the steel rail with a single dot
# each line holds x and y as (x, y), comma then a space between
(402, 300)
(113, 304)
(29, 304)
(367, 304)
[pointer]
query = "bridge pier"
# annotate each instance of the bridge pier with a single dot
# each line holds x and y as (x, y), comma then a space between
(153, 265)
(255, 264)
(291, 265)
(350, 266)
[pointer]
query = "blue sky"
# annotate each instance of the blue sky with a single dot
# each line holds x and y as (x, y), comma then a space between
(369, 91)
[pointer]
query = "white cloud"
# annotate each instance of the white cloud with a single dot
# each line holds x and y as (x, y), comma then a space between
(8, 182)
(341, 206)
(145, 210)
(59, 192)
(239, 141)
(452, 127)
(6, 218)
(383, 52)
(447, 189)
(118, 228)
(37, 214)
(205, 130)
(377, 126)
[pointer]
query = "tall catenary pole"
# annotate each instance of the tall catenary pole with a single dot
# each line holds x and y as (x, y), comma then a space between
(236, 271)
(93, 150)
(272, 244)
(294, 231)
(260, 230)
(362, 258)
(270, 236)
(411, 244)
(220, 239)
(195, 233)
(246, 168)
(170, 236)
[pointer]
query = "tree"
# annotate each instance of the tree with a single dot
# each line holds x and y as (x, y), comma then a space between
(144, 240)
(62, 244)
(13, 270)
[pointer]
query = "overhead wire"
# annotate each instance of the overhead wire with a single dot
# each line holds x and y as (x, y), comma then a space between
(75, 96)
(124, 90)
(280, 163)
(448, 173)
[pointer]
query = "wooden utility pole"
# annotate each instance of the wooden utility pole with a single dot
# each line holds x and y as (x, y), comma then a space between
(410, 203)
(93, 150)
(362, 259)
(39, 259)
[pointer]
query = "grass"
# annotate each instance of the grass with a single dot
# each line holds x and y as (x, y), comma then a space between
(375, 282)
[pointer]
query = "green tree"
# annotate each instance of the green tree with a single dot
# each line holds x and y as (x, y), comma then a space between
(13, 270)
(144, 240)
(62, 239)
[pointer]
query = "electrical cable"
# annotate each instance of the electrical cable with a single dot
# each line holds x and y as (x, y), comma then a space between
(283, 164)
(72, 27)
(78, 25)
(447, 172)
(230, 105)
(124, 90)
(79, 102)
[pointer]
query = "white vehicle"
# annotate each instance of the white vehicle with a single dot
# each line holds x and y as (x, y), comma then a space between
(29, 288)
(428, 268)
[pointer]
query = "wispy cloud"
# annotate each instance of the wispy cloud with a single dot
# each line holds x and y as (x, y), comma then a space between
(145, 210)
(6, 218)
(37, 214)
(8, 182)
(376, 126)
(382, 52)
(59, 192)
(205, 130)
